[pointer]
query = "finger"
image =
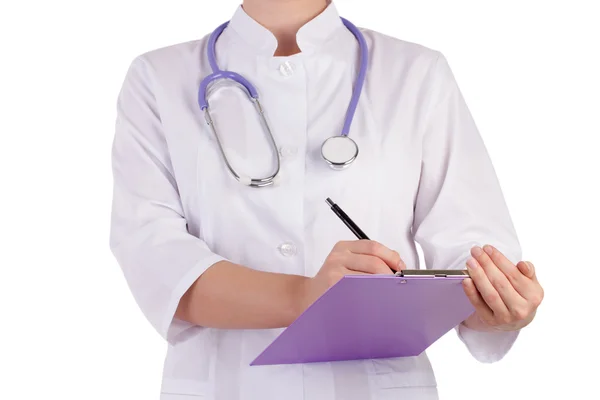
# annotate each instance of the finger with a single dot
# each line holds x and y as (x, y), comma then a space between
(484, 311)
(353, 272)
(509, 295)
(370, 247)
(365, 263)
(401, 263)
(526, 269)
(337, 275)
(534, 293)
(511, 271)
(487, 291)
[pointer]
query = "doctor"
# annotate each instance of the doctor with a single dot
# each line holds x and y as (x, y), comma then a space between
(220, 178)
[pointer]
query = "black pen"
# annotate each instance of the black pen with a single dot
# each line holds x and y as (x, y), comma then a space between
(346, 220)
(349, 223)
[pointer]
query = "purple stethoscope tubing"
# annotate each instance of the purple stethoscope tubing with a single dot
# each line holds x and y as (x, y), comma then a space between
(253, 93)
(360, 79)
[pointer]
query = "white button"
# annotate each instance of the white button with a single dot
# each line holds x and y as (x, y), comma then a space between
(286, 69)
(288, 152)
(288, 249)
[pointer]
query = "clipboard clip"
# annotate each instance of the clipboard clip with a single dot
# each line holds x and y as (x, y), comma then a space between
(434, 273)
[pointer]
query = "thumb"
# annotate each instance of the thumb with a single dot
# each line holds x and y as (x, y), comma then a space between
(526, 269)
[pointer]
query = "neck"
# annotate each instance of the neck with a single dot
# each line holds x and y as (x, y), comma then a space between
(283, 18)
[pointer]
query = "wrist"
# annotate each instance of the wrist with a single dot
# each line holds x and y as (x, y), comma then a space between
(299, 297)
(475, 323)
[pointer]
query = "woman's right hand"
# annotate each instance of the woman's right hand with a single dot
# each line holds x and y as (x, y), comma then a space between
(351, 257)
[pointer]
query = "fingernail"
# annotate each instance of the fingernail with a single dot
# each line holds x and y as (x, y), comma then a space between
(529, 266)
(400, 262)
(488, 249)
(472, 264)
(476, 251)
(467, 283)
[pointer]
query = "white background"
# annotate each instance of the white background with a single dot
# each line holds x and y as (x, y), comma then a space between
(530, 72)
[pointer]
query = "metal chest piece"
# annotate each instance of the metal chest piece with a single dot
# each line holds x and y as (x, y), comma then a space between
(339, 152)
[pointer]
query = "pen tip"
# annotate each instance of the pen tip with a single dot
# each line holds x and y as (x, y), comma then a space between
(329, 201)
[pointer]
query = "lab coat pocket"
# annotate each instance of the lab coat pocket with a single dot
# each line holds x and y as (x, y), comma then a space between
(402, 372)
(179, 389)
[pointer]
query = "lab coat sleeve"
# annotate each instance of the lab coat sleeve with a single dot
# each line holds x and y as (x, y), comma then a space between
(148, 234)
(459, 202)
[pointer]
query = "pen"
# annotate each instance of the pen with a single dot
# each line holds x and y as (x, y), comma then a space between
(346, 219)
(349, 223)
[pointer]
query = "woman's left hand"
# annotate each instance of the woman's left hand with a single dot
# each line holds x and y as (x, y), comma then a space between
(505, 296)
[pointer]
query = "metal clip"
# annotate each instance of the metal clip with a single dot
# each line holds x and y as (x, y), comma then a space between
(207, 117)
(258, 106)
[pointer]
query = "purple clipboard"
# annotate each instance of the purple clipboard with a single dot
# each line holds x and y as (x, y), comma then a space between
(372, 316)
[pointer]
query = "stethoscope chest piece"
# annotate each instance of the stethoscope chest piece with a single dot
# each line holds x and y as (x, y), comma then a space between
(339, 151)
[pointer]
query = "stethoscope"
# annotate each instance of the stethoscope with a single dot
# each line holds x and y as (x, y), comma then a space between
(338, 151)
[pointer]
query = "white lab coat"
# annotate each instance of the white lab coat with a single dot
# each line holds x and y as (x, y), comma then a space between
(422, 174)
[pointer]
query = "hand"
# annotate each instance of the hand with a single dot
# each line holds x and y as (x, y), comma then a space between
(505, 296)
(351, 257)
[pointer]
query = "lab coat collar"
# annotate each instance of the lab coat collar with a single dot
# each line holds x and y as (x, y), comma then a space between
(310, 36)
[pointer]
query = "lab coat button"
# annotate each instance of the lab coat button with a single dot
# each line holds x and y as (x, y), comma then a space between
(286, 69)
(287, 249)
